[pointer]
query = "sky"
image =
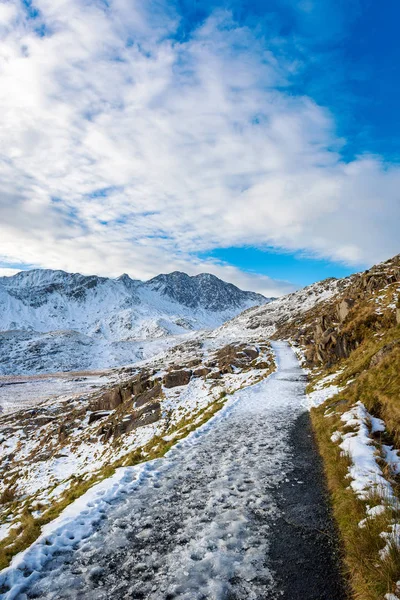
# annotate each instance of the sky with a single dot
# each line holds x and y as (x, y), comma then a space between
(254, 140)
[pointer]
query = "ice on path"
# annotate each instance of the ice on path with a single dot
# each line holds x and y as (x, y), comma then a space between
(197, 524)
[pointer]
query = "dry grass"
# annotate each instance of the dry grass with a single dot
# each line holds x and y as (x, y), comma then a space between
(8, 495)
(370, 578)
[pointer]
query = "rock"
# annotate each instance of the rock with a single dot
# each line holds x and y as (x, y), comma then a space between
(215, 375)
(321, 326)
(326, 337)
(141, 383)
(194, 363)
(96, 416)
(211, 363)
(382, 353)
(262, 365)
(343, 308)
(176, 378)
(201, 372)
(251, 352)
(108, 401)
(126, 392)
(62, 433)
(148, 396)
(147, 415)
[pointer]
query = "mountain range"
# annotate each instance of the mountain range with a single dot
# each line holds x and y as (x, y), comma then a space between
(53, 320)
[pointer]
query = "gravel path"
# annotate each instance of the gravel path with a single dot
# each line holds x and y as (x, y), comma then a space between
(203, 523)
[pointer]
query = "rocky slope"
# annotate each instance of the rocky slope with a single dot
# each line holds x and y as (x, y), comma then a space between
(365, 304)
(57, 321)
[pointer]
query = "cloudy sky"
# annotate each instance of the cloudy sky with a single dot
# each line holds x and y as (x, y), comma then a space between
(257, 143)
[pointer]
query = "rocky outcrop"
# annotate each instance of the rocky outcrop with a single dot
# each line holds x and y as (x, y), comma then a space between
(109, 400)
(145, 416)
(332, 330)
(215, 375)
(97, 416)
(234, 355)
(119, 394)
(148, 396)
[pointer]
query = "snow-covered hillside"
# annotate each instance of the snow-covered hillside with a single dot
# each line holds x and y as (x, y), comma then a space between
(53, 320)
(263, 321)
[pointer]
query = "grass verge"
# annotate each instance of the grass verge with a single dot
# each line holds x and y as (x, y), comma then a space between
(369, 576)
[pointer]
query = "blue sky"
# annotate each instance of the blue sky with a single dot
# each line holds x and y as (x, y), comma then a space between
(256, 140)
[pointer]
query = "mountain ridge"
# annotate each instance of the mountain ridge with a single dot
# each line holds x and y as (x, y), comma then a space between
(109, 318)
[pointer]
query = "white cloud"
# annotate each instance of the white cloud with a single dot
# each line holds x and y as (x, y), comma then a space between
(123, 149)
(7, 271)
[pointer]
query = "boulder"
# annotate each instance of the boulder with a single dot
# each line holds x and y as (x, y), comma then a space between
(215, 375)
(177, 378)
(126, 392)
(148, 396)
(382, 353)
(108, 401)
(141, 383)
(201, 372)
(147, 415)
(343, 308)
(96, 416)
(251, 352)
(194, 363)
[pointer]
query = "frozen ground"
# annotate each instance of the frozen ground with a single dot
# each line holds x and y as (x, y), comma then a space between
(194, 525)
(21, 392)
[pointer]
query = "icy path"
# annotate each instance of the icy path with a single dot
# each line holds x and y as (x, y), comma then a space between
(197, 526)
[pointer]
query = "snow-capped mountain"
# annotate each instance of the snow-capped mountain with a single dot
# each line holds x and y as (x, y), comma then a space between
(53, 320)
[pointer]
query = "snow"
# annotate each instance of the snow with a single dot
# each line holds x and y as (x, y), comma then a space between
(392, 457)
(323, 391)
(188, 520)
(17, 393)
(364, 471)
(56, 321)
(5, 529)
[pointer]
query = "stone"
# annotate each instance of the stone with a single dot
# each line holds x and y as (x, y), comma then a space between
(343, 308)
(382, 353)
(201, 372)
(177, 378)
(96, 416)
(147, 415)
(215, 375)
(126, 392)
(108, 401)
(194, 363)
(148, 396)
(251, 352)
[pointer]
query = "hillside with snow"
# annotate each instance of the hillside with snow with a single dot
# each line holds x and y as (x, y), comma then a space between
(58, 321)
